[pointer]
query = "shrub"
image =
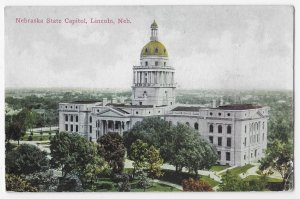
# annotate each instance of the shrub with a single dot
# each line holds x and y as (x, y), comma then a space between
(195, 185)
(18, 184)
(30, 138)
(105, 185)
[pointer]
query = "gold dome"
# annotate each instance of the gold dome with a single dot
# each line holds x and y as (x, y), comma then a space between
(154, 48)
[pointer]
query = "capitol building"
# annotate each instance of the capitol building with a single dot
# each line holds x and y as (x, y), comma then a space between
(238, 131)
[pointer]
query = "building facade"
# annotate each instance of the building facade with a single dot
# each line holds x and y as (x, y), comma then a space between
(238, 131)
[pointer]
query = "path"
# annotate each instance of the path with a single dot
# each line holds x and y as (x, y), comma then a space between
(169, 184)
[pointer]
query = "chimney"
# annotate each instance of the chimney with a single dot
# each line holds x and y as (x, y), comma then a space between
(104, 101)
(214, 104)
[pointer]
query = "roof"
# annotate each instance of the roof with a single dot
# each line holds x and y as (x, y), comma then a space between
(121, 110)
(85, 102)
(131, 106)
(187, 108)
(239, 107)
(154, 48)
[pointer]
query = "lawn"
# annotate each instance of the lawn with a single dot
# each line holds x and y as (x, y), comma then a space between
(255, 177)
(239, 170)
(36, 137)
(218, 168)
(209, 180)
(107, 185)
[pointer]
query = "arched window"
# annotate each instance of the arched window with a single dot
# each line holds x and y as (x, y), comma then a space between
(156, 50)
(66, 118)
(146, 50)
(91, 119)
(196, 125)
(211, 128)
(229, 129)
(187, 123)
(219, 129)
(71, 118)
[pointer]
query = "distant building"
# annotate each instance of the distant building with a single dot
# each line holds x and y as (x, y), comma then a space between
(238, 131)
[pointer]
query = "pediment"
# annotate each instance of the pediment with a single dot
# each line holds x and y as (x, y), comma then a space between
(110, 113)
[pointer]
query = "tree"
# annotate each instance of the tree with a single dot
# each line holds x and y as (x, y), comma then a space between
(232, 182)
(279, 157)
(151, 130)
(185, 148)
(16, 128)
(26, 159)
(154, 162)
(18, 184)
(73, 153)
(113, 151)
(195, 185)
(145, 157)
(138, 155)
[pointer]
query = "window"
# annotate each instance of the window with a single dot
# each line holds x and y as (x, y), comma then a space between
(156, 50)
(164, 63)
(76, 128)
(219, 114)
(255, 153)
(244, 157)
(219, 155)
(210, 113)
(76, 119)
(263, 125)
(71, 118)
(90, 128)
(219, 129)
(251, 155)
(229, 142)
(66, 118)
(211, 139)
(229, 129)
(228, 114)
(71, 128)
(91, 119)
(219, 141)
(137, 112)
(141, 103)
(146, 63)
(211, 128)
(228, 156)
(156, 63)
(146, 50)
(66, 127)
(196, 125)
(245, 142)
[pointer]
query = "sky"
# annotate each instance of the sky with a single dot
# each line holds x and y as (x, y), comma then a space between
(210, 47)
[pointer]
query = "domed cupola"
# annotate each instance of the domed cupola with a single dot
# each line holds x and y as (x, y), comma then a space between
(154, 47)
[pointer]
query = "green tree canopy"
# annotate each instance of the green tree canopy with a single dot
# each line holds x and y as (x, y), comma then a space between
(26, 159)
(113, 150)
(72, 153)
(18, 184)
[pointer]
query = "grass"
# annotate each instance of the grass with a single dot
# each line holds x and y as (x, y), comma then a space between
(255, 177)
(36, 137)
(218, 168)
(107, 185)
(210, 181)
(239, 170)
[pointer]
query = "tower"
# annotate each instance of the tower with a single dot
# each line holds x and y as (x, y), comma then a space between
(153, 79)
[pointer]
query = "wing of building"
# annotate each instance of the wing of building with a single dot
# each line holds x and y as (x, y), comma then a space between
(238, 131)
